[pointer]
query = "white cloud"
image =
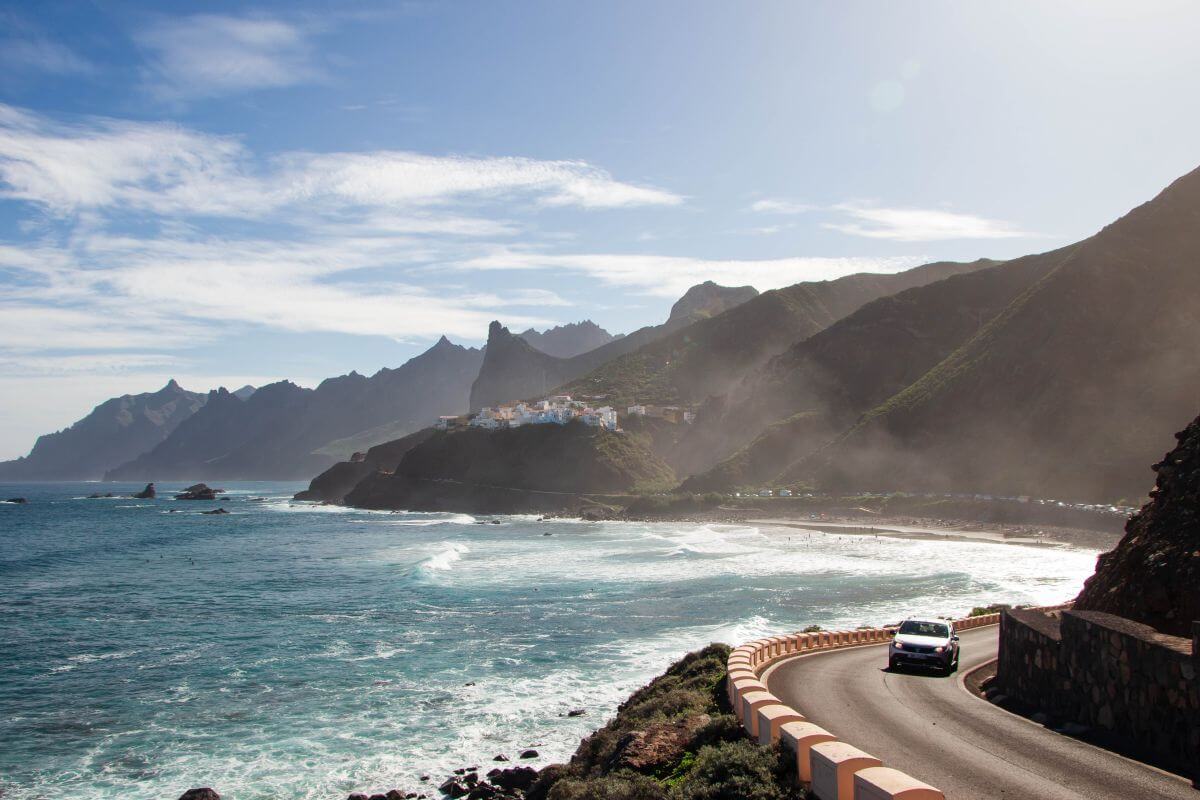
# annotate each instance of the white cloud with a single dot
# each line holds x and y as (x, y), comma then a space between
(919, 224)
(208, 55)
(671, 276)
(169, 170)
(779, 206)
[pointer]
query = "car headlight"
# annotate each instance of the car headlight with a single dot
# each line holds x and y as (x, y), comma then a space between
(898, 645)
(941, 649)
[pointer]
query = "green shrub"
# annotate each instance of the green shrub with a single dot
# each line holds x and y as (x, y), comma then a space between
(734, 771)
(619, 786)
(813, 629)
(983, 611)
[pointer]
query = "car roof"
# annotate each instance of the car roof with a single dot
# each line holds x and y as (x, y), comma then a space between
(929, 621)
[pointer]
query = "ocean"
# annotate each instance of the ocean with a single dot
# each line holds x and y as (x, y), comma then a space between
(290, 650)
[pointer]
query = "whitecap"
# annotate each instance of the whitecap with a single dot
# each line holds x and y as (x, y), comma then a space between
(443, 561)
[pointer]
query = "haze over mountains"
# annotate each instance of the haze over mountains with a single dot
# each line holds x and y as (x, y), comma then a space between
(1059, 374)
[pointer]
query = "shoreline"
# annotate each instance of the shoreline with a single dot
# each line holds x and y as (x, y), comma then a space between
(905, 526)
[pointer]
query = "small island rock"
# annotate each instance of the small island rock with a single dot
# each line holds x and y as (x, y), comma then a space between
(199, 491)
(146, 494)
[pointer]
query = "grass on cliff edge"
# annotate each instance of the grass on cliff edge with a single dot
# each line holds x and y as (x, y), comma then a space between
(673, 739)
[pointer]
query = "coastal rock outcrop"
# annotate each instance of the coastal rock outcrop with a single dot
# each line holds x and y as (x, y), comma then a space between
(199, 491)
(1153, 574)
(332, 485)
(17, 500)
(148, 493)
(530, 468)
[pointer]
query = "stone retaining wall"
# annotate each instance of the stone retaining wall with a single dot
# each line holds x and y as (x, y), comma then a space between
(843, 772)
(1124, 680)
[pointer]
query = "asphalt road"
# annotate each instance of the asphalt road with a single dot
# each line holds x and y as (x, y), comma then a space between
(932, 728)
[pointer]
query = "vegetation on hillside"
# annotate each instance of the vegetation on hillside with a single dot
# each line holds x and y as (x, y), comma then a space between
(674, 739)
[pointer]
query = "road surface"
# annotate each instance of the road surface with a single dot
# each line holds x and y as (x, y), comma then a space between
(932, 728)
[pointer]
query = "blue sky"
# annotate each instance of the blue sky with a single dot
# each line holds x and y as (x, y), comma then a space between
(232, 193)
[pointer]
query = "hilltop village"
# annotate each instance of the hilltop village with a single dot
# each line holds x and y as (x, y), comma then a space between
(560, 409)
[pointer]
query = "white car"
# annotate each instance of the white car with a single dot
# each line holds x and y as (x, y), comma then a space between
(924, 643)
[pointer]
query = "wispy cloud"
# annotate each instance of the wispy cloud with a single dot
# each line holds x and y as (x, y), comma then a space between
(670, 276)
(208, 55)
(33, 53)
(780, 206)
(169, 170)
(919, 224)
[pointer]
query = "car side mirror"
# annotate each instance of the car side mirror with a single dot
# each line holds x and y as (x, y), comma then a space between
(955, 637)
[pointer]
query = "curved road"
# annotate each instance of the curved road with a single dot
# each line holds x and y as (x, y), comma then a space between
(932, 728)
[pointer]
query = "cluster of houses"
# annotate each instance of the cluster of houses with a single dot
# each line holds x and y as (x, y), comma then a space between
(559, 409)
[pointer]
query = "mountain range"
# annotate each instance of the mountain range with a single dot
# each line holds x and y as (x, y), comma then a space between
(278, 430)
(114, 432)
(1056, 374)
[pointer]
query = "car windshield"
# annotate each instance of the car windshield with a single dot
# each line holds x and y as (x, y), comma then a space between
(915, 628)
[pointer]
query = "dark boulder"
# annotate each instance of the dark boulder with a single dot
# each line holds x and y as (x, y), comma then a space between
(513, 778)
(200, 794)
(146, 494)
(18, 500)
(215, 511)
(453, 788)
(531, 753)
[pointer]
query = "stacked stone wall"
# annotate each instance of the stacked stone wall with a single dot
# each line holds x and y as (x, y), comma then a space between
(1121, 679)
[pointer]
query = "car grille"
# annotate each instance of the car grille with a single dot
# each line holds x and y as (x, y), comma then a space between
(918, 649)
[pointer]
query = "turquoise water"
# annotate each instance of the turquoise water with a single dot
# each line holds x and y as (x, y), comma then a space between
(299, 651)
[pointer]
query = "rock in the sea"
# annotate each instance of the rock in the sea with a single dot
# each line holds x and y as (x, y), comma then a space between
(17, 500)
(215, 511)
(500, 757)
(146, 494)
(358, 796)
(513, 778)
(531, 753)
(200, 794)
(98, 496)
(199, 491)
(453, 788)
(576, 712)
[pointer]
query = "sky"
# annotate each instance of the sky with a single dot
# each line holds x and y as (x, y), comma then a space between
(232, 193)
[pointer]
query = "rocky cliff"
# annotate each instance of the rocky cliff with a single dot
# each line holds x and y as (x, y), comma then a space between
(114, 432)
(1153, 574)
(332, 485)
(534, 467)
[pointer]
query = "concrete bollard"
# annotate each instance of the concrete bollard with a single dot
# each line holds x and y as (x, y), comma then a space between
(833, 768)
(799, 737)
(751, 703)
(772, 718)
(732, 677)
(741, 688)
(885, 783)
